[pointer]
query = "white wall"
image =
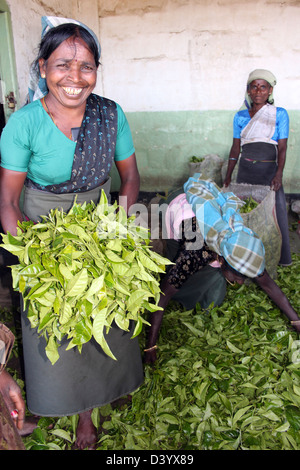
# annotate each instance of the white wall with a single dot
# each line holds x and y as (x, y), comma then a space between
(197, 54)
(170, 55)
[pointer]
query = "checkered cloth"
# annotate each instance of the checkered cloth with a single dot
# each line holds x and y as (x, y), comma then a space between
(222, 226)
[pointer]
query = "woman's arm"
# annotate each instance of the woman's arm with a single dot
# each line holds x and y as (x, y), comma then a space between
(130, 181)
(278, 297)
(11, 184)
(232, 160)
(276, 183)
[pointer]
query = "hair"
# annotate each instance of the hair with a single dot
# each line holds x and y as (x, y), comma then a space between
(55, 36)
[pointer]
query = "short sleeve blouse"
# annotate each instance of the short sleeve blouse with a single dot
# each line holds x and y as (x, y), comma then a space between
(242, 118)
(31, 143)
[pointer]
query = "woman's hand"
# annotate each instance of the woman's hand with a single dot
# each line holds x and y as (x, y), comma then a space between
(276, 182)
(227, 181)
(12, 396)
(150, 356)
(269, 286)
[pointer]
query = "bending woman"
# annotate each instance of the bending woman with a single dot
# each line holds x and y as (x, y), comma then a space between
(260, 134)
(219, 239)
(61, 145)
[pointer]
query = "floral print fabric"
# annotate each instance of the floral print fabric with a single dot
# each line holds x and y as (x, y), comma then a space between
(188, 261)
(95, 148)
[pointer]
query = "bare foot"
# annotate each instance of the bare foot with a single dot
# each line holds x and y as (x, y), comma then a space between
(86, 432)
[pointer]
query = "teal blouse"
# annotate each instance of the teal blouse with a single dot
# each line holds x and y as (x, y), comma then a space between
(31, 143)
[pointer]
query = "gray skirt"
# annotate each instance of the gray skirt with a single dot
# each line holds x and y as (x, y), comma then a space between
(77, 382)
(37, 203)
(261, 170)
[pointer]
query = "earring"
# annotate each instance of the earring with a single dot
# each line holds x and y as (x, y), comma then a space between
(43, 75)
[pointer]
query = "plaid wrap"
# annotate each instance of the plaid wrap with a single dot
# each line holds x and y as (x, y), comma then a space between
(222, 226)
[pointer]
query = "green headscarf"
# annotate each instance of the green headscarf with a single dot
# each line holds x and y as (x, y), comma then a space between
(259, 74)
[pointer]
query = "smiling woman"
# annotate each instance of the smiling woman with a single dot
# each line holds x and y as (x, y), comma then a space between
(71, 74)
(62, 145)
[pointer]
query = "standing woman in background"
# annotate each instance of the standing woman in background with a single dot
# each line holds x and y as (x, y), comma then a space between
(260, 135)
(61, 145)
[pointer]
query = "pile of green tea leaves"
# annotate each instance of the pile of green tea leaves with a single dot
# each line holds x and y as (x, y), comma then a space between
(226, 378)
(249, 205)
(195, 159)
(78, 272)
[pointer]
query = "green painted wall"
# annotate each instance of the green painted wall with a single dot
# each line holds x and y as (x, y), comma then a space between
(165, 141)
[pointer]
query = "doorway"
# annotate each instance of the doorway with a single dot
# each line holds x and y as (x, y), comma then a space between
(8, 77)
(8, 104)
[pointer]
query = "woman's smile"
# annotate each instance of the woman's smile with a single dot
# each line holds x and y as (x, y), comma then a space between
(72, 91)
(71, 74)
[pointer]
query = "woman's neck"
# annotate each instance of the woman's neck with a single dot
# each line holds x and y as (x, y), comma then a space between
(255, 107)
(63, 113)
(64, 118)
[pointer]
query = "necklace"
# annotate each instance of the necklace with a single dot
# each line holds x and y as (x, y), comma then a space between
(51, 115)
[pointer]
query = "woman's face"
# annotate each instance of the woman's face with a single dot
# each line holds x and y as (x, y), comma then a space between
(259, 91)
(71, 73)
